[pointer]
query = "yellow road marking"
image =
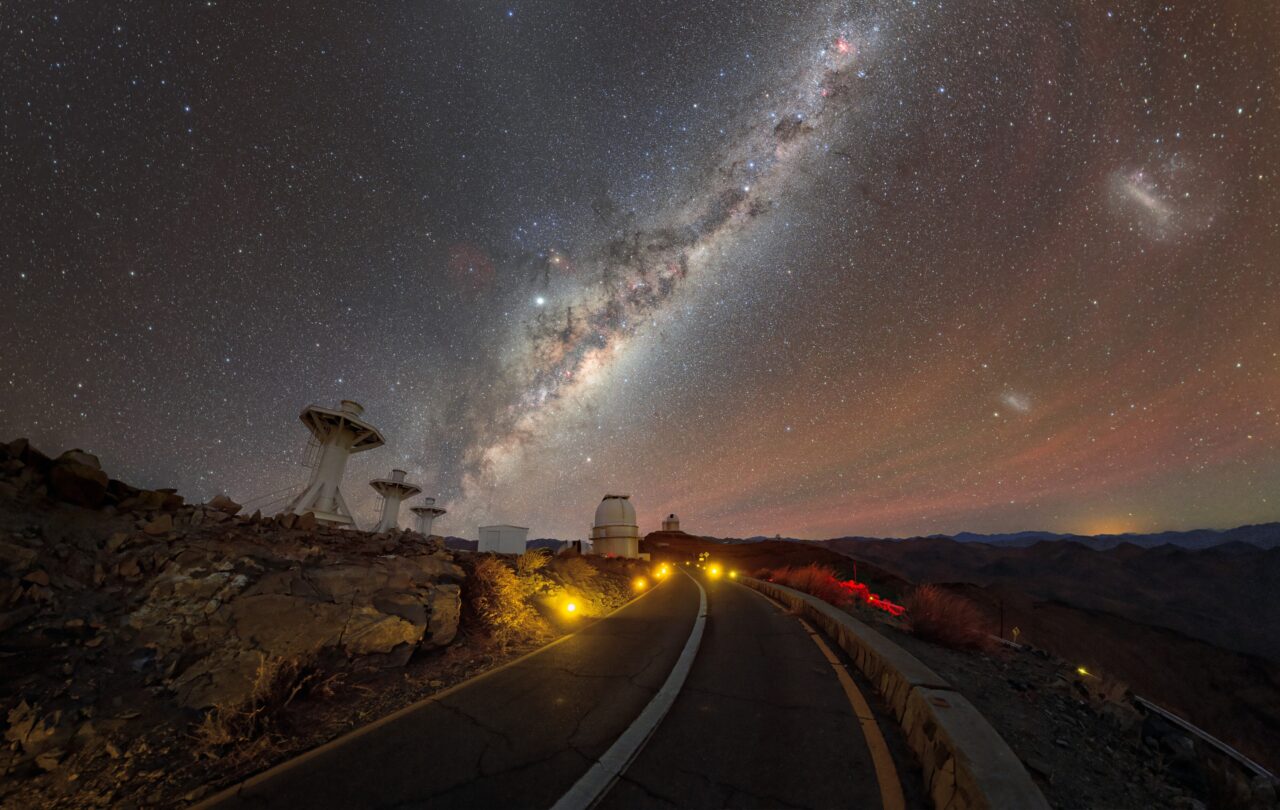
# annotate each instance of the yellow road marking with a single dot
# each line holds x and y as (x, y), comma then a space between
(886, 773)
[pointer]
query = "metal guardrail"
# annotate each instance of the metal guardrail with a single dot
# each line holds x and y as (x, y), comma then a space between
(1185, 725)
(1207, 737)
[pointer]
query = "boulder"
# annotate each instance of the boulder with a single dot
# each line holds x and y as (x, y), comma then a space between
(22, 450)
(74, 481)
(351, 581)
(15, 448)
(369, 632)
(78, 456)
(15, 558)
(221, 503)
(162, 524)
(405, 605)
(121, 492)
(444, 609)
(280, 625)
(37, 732)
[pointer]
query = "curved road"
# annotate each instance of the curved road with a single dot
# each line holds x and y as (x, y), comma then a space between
(764, 719)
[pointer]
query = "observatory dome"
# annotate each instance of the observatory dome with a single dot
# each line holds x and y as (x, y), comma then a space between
(616, 510)
(616, 531)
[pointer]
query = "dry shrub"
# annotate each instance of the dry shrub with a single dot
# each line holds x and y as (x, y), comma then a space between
(946, 618)
(576, 571)
(247, 729)
(816, 580)
(497, 597)
(531, 562)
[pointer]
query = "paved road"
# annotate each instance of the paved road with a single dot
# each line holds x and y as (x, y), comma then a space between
(761, 721)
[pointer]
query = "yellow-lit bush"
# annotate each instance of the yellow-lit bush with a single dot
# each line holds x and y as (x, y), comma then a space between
(576, 571)
(498, 598)
(532, 562)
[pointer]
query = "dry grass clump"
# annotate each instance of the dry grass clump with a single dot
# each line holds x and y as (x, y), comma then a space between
(946, 618)
(816, 580)
(498, 598)
(245, 731)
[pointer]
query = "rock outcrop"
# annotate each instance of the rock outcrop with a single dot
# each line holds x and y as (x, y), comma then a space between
(129, 602)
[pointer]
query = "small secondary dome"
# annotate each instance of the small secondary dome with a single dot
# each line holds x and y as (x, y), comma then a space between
(671, 523)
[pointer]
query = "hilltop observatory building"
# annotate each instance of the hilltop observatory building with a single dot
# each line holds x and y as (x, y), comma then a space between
(336, 434)
(616, 532)
(393, 490)
(427, 514)
(671, 523)
(503, 539)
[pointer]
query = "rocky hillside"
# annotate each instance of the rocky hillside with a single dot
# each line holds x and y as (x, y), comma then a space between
(1192, 630)
(137, 630)
(1217, 594)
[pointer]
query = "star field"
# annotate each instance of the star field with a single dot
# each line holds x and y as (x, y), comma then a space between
(879, 268)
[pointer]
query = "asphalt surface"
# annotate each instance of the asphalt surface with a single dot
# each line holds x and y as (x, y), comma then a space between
(761, 721)
(518, 737)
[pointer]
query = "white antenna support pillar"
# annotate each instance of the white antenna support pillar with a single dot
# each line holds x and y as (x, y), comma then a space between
(340, 433)
(393, 490)
(427, 514)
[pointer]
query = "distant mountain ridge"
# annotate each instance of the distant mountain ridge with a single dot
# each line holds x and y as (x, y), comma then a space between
(1262, 535)
(463, 544)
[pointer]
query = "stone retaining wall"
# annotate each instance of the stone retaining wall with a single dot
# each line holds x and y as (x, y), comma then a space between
(967, 765)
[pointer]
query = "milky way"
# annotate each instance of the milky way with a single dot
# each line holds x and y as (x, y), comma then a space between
(808, 269)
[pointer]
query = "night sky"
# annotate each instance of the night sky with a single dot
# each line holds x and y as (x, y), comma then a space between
(813, 269)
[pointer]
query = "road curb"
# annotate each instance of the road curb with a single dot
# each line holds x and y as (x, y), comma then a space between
(596, 782)
(966, 763)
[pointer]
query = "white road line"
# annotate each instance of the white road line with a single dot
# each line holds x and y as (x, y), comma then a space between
(595, 783)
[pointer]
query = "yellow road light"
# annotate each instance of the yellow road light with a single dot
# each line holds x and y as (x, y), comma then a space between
(1083, 671)
(640, 583)
(714, 571)
(733, 575)
(571, 607)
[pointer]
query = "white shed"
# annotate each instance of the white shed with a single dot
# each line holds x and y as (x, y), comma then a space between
(503, 539)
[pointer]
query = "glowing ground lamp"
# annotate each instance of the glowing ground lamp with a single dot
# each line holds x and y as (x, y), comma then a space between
(639, 583)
